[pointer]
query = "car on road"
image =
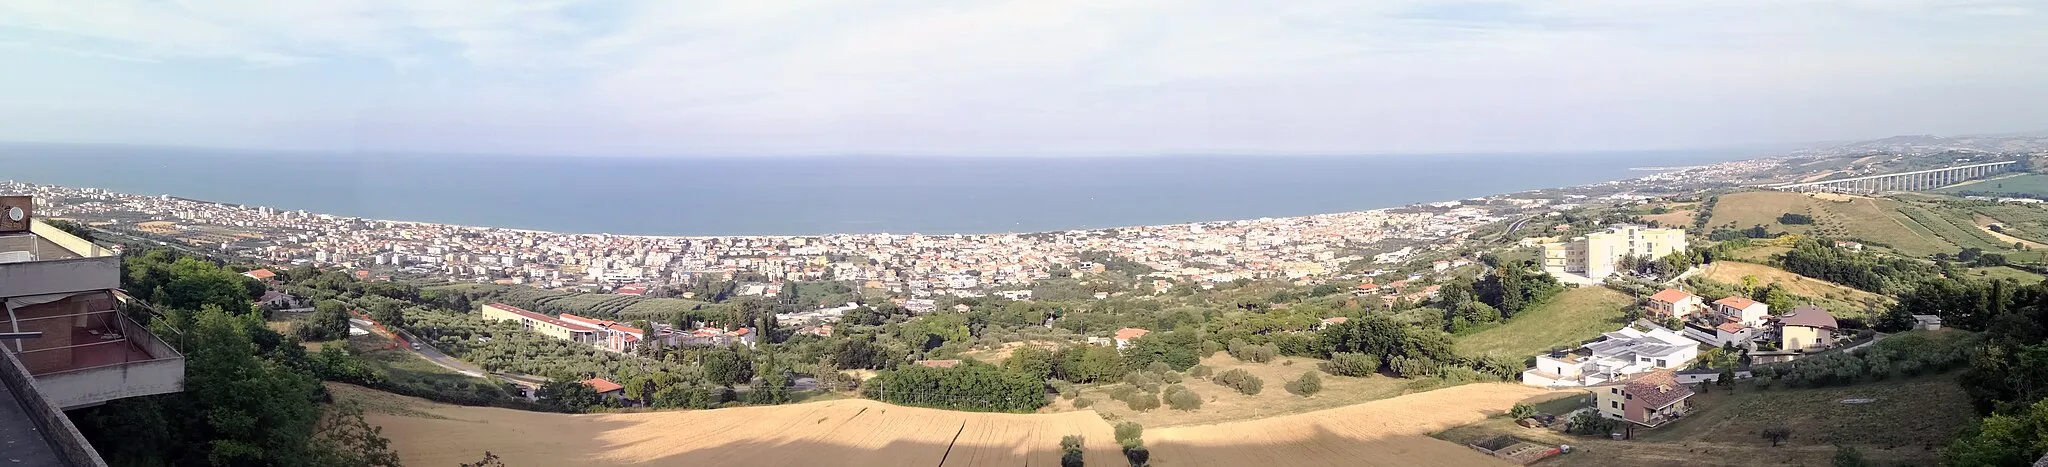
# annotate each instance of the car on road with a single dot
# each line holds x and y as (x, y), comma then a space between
(415, 346)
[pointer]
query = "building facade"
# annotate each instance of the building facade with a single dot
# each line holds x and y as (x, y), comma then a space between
(63, 293)
(1637, 348)
(536, 322)
(1598, 255)
(1649, 399)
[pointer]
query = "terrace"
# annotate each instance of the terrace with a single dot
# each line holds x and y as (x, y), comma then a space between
(85, 352)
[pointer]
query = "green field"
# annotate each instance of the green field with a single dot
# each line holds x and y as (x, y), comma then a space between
(1906, 424)
(2006, 273)
(1568, 319)
(2025, 184)
(1914, 225)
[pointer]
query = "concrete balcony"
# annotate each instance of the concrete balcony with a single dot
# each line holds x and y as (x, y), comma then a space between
(87, 352)
(47, 260)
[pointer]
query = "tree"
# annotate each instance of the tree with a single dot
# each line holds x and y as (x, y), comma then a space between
(1589, 422)
(726, 366)
(1130, 434)
(1776, 435)
(1846, 456)
(1070, 451)
(2003, 439)
(490, 460)
(1243, 381)
(1030, 360)
(1181, 398)
(1307, 385)
(568, 395)
(344, 439)
(1351, 364)
(1521, 411)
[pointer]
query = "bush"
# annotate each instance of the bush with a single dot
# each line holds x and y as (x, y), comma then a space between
(1209, 348)
(1130, 434)
(1242, 381)
(1159, 368)
(1083, 402)
(1245, 352)
(1521, 411)
(1181, 398)
(1143, 381)
(1201, 371)
(1070, 451)
(1142, 402)
(1138, 456)
(1351, 364)
(1122, 392)
(1308, 385)
(1067, 390)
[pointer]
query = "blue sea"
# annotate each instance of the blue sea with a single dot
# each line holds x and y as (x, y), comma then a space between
(816, 195)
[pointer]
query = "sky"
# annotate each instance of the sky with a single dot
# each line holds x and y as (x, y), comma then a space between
(1026, 77)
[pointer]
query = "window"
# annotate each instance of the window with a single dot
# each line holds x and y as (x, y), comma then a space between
(1660, 362)
(1614, 404)
(1628, 396)
(1614, 390)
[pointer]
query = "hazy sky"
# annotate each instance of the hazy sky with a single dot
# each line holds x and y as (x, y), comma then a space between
(1015, 77)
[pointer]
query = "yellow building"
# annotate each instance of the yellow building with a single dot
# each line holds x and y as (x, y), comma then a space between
(1806, 328)
(1597, 255)
(536, 322)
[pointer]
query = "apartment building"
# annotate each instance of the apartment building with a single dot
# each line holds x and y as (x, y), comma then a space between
(1598, 255)
(544, 324)
(1636, 348)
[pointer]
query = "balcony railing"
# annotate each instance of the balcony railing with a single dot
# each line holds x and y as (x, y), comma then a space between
(129, 361)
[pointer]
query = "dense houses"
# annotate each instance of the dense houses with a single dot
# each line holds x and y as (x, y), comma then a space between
(912, 266)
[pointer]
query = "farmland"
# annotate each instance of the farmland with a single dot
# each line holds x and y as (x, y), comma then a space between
(600, 305)
(1222, 404)
(863, 433)
(1840, 300)
(2023, 185)
(849, 432)
(1913, 225)
(1390, 432)
(1904, 425)
(1575, 315)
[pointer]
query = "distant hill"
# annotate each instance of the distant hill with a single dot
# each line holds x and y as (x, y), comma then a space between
(1931, 144)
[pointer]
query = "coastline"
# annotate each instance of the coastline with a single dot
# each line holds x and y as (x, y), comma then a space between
(1658, 171)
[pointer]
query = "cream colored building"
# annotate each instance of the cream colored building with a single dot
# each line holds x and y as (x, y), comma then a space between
(536, 322)
(1596, 255)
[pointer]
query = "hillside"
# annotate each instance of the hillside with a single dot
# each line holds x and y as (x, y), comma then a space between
(1917, 226)
(1574, 316)
(862, 432)
(1840, 300)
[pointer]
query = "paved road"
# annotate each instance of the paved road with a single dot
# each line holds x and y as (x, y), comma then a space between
(428, 351)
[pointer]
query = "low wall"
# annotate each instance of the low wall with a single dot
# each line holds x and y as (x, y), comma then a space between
(70, 444)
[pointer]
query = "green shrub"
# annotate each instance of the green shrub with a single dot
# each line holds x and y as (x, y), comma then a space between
(1170, 377)
(1351, 364)
(1067, 390)
(1142, 402)
(1138, 456)
(1158, 368)
(1181, 398)
(1201, 371)
(1246, 352)
(1308, 385)
(1130, 434)
(1244, 382)
(1083, 402)
(1122, 392)
(1070, 451)
(1143, 381)
(1209, 348)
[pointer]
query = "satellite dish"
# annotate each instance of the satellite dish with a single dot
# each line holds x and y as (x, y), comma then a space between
(15, 214)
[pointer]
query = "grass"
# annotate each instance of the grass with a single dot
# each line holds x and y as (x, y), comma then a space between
(1222, 404)
(2028, 222)
(408, 373)
(1907, 423)
(1839, 300)
(1571, 317)
(2028, 184)
(2003, 272)
(1745, 209)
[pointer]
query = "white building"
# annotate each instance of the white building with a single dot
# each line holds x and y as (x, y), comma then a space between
(1634, 349)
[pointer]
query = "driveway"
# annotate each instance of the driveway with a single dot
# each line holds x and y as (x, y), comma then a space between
(426, 350)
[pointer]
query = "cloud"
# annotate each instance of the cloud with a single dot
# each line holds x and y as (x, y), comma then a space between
(1107, 76)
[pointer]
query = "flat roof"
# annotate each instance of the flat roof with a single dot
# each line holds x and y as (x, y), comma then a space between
(542, 318)
(38, 248)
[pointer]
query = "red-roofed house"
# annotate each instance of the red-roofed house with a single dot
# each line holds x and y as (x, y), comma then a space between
(606, 388)
(1125, 336)
(1674, 303)
(262, 275)
(1747, 311)
(1647, 399)
(540, 323)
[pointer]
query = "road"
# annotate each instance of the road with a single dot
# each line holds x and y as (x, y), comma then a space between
(427, 351)
(1515, 226)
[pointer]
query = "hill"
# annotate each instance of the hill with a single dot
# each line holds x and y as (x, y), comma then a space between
(1919, 226)
(1840, 300)
(863, 432)
(1574, 316)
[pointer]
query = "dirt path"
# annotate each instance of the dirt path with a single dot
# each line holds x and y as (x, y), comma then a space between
(1984, 223)
(1388, 432)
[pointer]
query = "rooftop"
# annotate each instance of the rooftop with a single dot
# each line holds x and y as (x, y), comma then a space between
(1670, 296)
(1809, 316)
